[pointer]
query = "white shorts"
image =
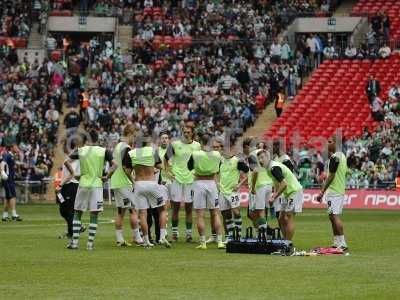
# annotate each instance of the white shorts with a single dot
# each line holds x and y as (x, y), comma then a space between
(205, 194)
(260, 200)
(278, 203)
(335, 203)
(181, 192)
(149, 194)
(292, 204)
(89, 197)
(123, 197)
(229, 201)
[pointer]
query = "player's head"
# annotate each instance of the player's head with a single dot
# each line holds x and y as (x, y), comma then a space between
(218, 145)
(332, 144)
(188, 133)
(276, 147)
(261, 145)
(264, 157)
(129, 133)
(142, 140)
(204, 139)
(247, 143)
(164, 138)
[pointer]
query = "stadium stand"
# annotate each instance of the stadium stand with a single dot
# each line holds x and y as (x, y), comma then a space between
(334, 97)
(31, 104)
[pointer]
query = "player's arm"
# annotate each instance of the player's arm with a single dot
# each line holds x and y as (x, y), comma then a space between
(108, 157)
(282, 184)
(242, 167)
(168, 155)
(253, 165)
(333, 165)
(127, 166)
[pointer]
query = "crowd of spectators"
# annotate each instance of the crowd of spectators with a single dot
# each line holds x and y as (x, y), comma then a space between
(213, 83)
(30, 104)
(15, 18)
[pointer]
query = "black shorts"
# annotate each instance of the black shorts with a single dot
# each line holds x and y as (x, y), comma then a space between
(9, 188)
(68, 191)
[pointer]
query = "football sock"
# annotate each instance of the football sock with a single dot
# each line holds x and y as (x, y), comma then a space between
(261, 224)
(202, 239)
(163, 233)
(76, 228)
(136, 235)
(342, 241)
(229, 227)
(5, 214)
(175, 230)
(119, 235)
(336, 241)
(238, 224)
(188, 228)
(146, 239)
(92, 230)
(219, 238)
(14, 213)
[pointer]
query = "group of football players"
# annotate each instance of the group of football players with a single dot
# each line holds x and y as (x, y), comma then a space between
(147, 178)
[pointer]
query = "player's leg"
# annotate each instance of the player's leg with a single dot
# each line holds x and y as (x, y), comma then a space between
(11, 195)
(212, 203)
(5, 210)
(122, 202)
(200, 205)
(187, 192)
(259, 209)
(81, 204)
(225, 208)
(76, 229)
(96, 206)
(227, 222)
(134, 221)
(335, 208)
(142, 192)
(156, 218)
(217, 225)
(150, 224)
(12, 207)
(201, 228)
(237, 218)
(176, 198)
(144, 227)
(289, 225)
(338, 231)
(119, 220)
(162, 218)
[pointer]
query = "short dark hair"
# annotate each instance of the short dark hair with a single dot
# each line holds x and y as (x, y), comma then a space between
(247, 141)
(204, 139)
(164, 132)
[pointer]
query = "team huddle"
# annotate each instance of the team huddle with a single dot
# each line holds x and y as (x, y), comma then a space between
(203, 175)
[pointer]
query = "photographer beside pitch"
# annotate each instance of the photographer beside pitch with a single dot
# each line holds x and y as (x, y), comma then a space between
(335, 187)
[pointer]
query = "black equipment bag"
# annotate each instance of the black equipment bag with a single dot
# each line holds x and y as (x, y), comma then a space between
(267, 242)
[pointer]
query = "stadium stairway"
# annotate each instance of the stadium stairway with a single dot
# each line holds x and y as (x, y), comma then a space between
(59, 155)
(334, 97)
(35, 40)
(125, 37)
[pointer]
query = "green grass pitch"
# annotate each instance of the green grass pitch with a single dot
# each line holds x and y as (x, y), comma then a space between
(36, 265)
